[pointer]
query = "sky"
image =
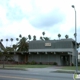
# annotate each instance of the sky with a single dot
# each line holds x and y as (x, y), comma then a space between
(35, 16)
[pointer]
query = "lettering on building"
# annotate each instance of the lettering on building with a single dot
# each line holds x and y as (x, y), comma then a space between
(47, 44)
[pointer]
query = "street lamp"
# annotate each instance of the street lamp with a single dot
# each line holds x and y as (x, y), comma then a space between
(75, 35)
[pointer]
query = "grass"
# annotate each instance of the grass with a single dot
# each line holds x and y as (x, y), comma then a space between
(70, 68)
(27, 66)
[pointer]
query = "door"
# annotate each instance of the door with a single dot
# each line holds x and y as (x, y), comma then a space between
(64, 60)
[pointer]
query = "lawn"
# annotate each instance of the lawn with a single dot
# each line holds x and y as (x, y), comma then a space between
(70, 68)
(27, 66)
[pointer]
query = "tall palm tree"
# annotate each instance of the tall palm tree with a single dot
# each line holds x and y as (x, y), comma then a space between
(43, 33)
(66, 36)
(59, 35)
(11, 41)
(23, 44)
(1, 40)
(6, 42)
(46, 38)
(34, 37)
(29, 37)
(20, 36)
(14, 47)
(41, 38)
(17, 39)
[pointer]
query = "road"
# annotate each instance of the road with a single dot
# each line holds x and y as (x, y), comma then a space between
(36, 74)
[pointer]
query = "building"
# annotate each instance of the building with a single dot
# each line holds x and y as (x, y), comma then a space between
(60, 51)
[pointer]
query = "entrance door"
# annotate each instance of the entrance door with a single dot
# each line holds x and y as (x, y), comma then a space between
(64, 60)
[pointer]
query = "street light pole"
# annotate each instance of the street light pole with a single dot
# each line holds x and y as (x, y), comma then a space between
(75, 35)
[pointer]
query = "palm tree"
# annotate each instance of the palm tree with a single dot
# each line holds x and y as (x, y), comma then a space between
(34, 37)
(20, 36)
(66, 36)
(29, 37)
(17, 39)
(59, 35)
(6, 42)
(41, 38)
(1, 40)
(14, 47)
(43, 33)
(46, 38)
(11, 41)
(23, 44)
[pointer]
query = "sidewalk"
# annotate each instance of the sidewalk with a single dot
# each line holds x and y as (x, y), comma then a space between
(66, 71)
(53, 69)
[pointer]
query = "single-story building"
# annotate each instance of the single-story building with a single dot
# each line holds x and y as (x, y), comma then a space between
(60, 51)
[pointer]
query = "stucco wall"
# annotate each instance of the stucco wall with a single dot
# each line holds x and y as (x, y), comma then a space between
(44, 58)
(16, 57)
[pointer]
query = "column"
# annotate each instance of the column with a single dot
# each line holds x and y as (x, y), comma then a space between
(70, 61)
(48, 58)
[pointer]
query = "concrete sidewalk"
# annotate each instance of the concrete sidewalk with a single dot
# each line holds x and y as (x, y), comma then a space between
(52, 69)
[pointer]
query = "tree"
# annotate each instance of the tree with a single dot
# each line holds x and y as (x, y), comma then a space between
(1, 54)
(46, 38)
(7, 53)
(29, 37)
(22, 44)
(17, 39)
(34, 37)
(66, 36)
(14, 47)
(43, 33)
(1, 40)
(59, 35)
(20, 36)
(41, 38)
(6, 42)
(11, 41)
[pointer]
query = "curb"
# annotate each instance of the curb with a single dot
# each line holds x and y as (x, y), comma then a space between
(72, 72)
(13, 69)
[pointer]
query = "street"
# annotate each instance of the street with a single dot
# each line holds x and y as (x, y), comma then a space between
(33, 74)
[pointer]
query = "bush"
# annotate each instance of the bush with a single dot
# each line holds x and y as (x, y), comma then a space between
(33, 63)
(55, 63)
(28, 63)
(40, 63)
(72, 64)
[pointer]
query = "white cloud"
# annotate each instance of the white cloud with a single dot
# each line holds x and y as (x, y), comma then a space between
(3, 15)
(32, 8)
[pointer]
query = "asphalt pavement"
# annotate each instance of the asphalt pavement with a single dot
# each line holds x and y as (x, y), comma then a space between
(34, 74)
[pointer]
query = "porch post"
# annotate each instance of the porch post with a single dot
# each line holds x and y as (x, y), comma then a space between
(40, 57)
(46, 54)
(70, 60)
(48, 58)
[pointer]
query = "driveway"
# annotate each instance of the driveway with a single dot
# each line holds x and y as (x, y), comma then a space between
(48, 69)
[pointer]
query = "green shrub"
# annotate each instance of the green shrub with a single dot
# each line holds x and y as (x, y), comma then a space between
(40, 63)
(55, 63)
(72, 64)
(33, 63)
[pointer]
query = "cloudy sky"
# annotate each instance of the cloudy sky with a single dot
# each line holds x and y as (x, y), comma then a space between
(35, 16)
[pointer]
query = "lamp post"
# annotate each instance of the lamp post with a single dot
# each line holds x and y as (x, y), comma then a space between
(75, 35)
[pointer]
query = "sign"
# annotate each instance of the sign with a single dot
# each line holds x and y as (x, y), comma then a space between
(47, 44)
(76, 76)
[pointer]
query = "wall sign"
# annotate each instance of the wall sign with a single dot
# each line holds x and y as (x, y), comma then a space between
(47, 44)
